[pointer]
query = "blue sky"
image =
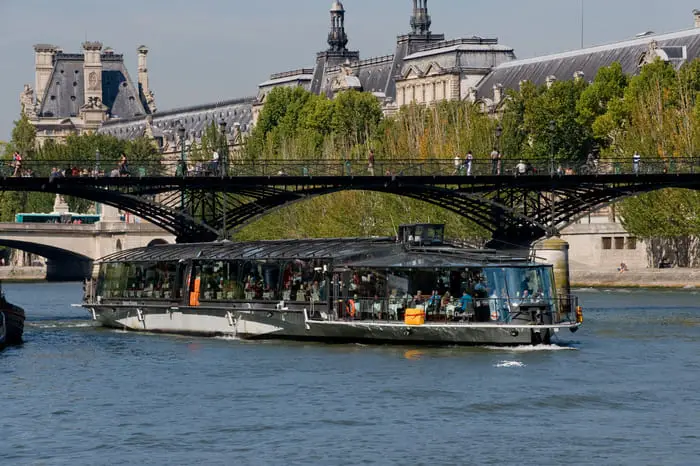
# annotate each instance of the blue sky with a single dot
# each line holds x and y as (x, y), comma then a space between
(213, 50)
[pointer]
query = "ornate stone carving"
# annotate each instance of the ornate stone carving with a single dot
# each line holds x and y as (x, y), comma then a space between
(93, 81)
(151, 101)
(26, 100)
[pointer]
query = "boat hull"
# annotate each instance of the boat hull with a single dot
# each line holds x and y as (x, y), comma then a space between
(13, 317)
(269, 324)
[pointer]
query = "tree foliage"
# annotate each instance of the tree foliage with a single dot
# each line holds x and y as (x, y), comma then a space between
(76, 149)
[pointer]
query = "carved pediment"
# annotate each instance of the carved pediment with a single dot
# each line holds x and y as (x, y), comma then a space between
(412, 72)
(434, 70)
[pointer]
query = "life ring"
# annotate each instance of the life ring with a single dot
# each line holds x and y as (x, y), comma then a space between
(350, 308)
(494, 315)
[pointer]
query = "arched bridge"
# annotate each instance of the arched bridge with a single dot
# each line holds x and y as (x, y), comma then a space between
(517, 203)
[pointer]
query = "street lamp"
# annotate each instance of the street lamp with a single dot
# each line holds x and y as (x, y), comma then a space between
(183, 163)
(223, 162)
(181, 132)
(552, 129)
(223, 156)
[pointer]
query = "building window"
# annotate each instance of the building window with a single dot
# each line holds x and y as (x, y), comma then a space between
(607, 242)
(619, 242)
(631, 243)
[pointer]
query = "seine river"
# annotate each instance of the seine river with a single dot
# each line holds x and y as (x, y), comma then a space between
(624, 390)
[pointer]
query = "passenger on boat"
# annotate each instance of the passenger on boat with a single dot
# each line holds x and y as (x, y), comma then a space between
(465, 302)
(419, 298)
(377, 308)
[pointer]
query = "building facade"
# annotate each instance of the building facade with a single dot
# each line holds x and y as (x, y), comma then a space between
(424, 68)
(78, 92)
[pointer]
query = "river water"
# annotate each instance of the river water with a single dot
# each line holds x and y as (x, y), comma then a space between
(624, 390)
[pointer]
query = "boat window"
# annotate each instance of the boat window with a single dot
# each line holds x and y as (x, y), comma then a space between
(304, 280)
(260, 280)
(154, 280)
(519, 282)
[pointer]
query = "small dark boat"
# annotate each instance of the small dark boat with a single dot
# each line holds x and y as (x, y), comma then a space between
(11, 322)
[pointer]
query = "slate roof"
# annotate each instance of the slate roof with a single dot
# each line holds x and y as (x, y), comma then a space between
(679, 46)
(64, 94)
(195, 120)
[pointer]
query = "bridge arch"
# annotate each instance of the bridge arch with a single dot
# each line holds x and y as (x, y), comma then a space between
(512, 208)
(61, 264)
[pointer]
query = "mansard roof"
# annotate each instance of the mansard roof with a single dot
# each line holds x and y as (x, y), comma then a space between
(195, 119)
(677, 48)
(64, 94)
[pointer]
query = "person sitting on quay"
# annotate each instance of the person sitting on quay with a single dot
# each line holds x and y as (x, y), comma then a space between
(622, 268)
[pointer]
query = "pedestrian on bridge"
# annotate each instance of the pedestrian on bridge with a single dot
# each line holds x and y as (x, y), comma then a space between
(370, 163)
(17, 162)
(636, 159)
(494, 161)
(458, 165)
(124, 166)
(468, 161)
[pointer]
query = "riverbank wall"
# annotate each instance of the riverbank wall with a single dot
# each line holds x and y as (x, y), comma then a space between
(646, 278)
(22, 274)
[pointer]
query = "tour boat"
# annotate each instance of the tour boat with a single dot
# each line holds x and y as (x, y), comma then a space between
(415, 288)
(11, 322)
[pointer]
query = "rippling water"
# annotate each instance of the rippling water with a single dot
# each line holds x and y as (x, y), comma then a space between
(621, 391)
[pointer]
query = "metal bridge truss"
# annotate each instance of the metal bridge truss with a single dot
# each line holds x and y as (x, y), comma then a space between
(516, 210)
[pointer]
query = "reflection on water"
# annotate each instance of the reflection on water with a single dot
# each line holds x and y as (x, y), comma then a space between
(600, 396)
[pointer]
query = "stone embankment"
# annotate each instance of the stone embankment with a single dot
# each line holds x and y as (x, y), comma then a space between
(646, 278)
(20, 274)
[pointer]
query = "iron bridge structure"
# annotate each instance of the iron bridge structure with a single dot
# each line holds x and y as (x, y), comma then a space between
(516, 206)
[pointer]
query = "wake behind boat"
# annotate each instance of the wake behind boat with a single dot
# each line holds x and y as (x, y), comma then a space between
(11, 322)
(334, 290)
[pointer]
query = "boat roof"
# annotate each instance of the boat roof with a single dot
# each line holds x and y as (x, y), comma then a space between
(350, 252)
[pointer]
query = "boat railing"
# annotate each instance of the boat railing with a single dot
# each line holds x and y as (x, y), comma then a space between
(543, 311)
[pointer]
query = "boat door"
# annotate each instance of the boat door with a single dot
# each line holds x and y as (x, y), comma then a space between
(193, 283)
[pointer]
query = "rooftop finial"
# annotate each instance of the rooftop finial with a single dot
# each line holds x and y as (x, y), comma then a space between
(337, 38)
(420, 21)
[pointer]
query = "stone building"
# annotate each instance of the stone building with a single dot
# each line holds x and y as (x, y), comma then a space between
(424, 68)
(676, 48)
(78, 92)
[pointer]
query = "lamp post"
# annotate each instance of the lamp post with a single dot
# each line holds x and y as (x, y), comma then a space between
(499, 133)
(183, 162)
(552, 129)
(223, 167)
(98, 206)
(223, 156)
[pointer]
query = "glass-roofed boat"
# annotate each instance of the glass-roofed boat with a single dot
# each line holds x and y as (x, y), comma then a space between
(414, 288)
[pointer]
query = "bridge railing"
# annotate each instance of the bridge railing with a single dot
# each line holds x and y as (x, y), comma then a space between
(315, 168)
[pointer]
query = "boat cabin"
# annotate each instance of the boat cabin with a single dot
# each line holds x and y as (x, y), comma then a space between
(335, 279)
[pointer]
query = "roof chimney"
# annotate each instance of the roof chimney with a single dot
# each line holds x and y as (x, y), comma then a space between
(696, 15)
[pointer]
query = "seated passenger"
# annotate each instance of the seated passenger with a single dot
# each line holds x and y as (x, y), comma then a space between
(446, 299)
(465, 302)
(377, 308)
(419, 298)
